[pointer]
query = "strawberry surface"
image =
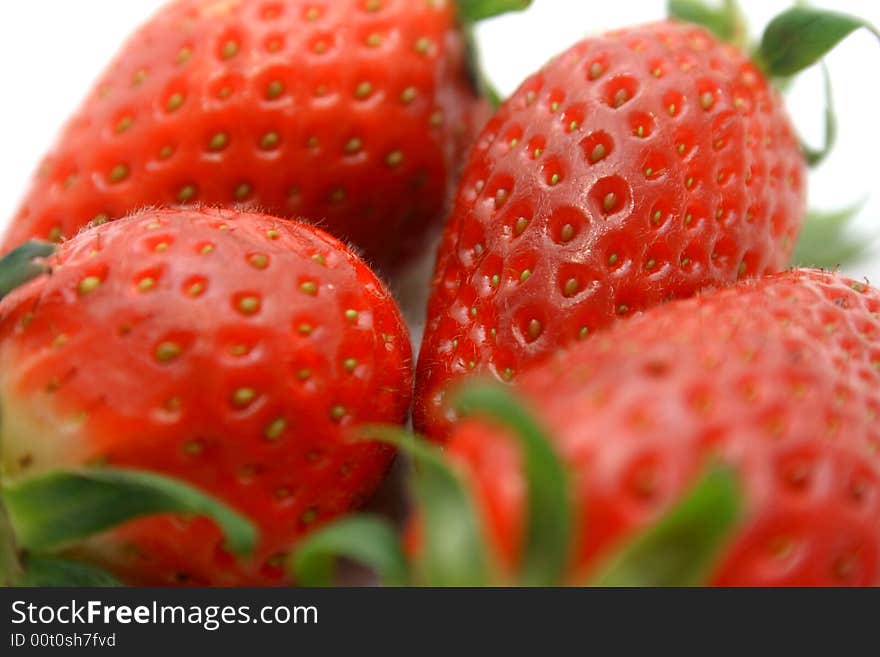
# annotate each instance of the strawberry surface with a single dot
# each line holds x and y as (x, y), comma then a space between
(634, 168)
(779, 377)
(231, 350)
(352, 113)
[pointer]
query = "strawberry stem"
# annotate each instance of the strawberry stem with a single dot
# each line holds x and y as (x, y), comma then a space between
(815, 156)
(22, 264)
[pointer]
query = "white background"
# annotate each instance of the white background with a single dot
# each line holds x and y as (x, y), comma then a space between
(51, 51)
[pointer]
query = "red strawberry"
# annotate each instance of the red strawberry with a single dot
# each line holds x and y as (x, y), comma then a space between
(634, 168)
(353, 112)
(232, 351)
(779, 377)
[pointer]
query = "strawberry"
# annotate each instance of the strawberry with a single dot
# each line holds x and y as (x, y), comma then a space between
(228, 350)
(777, 377)
(634, 168)
(352, 113)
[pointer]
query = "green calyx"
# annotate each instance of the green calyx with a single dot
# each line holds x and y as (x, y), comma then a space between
(55, 571)
(793, 41)
(454, 551)
(22, 264)
(814, 156)
(472, 11)
(827, 241)
(679, 549)
(476, 73)
(725, 21)
(799, 37)
(367, 539)
(549, 529)
(11, 570)
(51, 512)
(682, 546)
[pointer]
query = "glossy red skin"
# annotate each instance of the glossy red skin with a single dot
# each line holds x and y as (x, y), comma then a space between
(103, 395)
(779, 377)
(739, 216)
(322, 55)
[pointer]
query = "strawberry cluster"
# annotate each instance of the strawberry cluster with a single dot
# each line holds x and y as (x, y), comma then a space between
(203, 374)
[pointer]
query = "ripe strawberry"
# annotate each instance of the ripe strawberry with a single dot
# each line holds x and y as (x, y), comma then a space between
(636, 167)
(352, 112)
(779, 377)
(233, 351)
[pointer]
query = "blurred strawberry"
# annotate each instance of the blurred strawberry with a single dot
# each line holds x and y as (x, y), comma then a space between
(353, 113)
(729, 439)
(778, 378)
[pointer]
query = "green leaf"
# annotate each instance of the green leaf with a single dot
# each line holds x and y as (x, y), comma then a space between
(454, 549)
(56, 509)
(19, 265)
(10, 566)
(814, 156)
(827, 242)
(471, 11)
(800, 36)
(549, 532)
(725, 21)
(42, 570)
(366, 539)
(680, 549)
